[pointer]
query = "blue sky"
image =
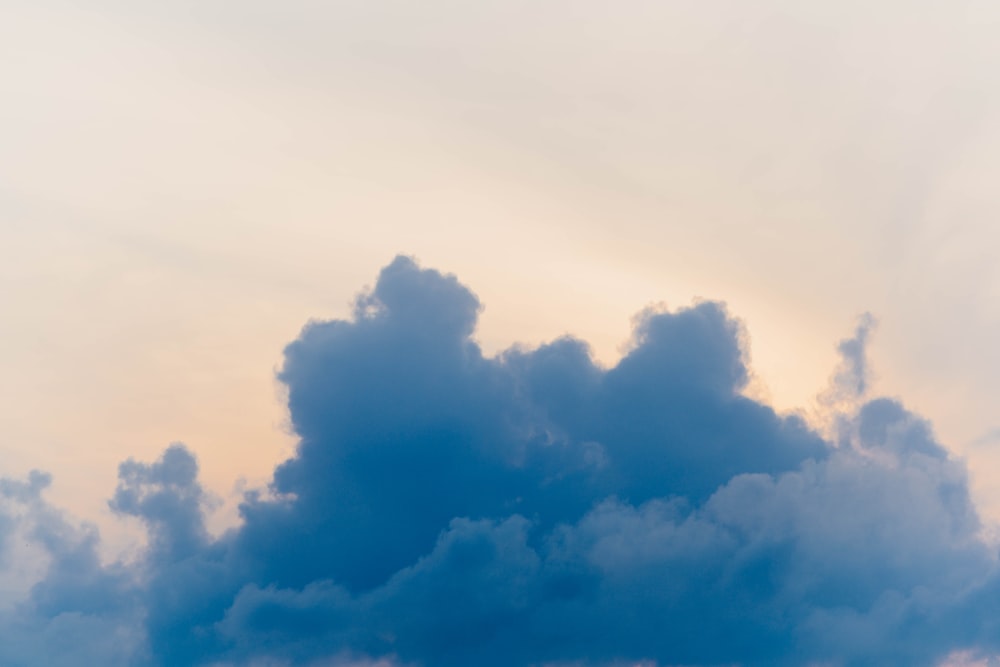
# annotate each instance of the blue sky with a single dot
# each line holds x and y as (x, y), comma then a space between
(183, 187)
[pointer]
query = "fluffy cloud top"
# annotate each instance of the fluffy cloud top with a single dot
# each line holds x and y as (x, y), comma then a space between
(448, 509)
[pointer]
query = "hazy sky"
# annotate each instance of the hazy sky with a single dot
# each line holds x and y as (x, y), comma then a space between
(183, 185)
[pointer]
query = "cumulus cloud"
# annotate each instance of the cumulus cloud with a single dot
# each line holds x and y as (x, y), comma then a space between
(75, 610)
(444, 508)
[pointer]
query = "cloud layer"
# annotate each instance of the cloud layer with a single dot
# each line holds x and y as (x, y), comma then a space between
(447, 509)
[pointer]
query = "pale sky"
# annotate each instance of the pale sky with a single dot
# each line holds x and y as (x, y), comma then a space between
(183, 185)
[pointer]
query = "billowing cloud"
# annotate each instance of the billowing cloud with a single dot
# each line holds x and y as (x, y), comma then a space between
(447, 509)
(79, 612)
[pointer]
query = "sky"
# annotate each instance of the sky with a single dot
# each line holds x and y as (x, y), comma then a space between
(184, 186)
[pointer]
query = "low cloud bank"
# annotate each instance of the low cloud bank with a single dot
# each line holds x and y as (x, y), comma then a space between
(447, 509)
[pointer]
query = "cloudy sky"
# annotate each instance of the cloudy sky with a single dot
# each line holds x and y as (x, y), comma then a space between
(185, 185)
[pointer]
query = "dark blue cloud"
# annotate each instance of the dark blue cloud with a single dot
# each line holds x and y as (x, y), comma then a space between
(444, 508)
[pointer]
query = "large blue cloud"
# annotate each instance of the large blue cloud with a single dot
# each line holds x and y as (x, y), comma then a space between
(444, 508)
